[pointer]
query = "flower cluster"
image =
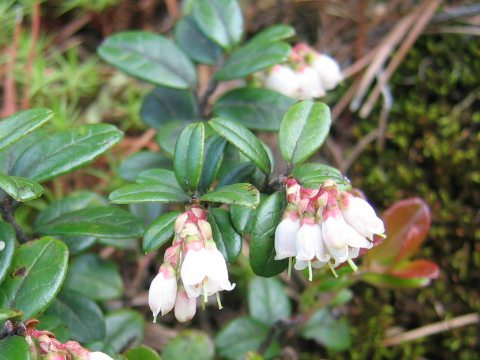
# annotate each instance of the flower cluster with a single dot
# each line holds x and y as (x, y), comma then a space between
(308, 74)
(324, 226)
(44, 346)
(192, 266)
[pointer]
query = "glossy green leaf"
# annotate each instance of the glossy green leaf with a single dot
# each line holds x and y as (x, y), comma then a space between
(167, 138)
(125, 328)
(123, 244)
(13, 314)
(163, 105)
(65, 151)
(9, 155)
(254, 108)
(22, 123)
(148, 192)
(272, 34)
(82, 316)
(158, 176)
(105, 222)
(244, 140)
(383, 280)
(220, 20)
(252, 58)
(37, 272)
(235, 172)
(14, 348)
(262, 237)
(328, 331)
(159, 231)
(141, 161)
(188, 157)
(228, 241)
(19, 188)
(242, 335)
(146, 212)
(236, 194)
(303, 130)
(141, 352)
(96, 278)
(7, 235)
(212, 160)
(194, 43)
(56, 326)
(313, 175)
(103, 347)
(243, 216)
(268, 301)
(149, 57)
(189, 344)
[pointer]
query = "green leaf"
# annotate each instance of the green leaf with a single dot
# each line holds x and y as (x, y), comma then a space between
(243, 335)
(159, 231)
(188, 158)
(14, 348)
(236, 194)
(96, 278)
(268, 301)
(272, 34)
(141, 161)
(194, 43)
(163, 105)
(167, 138)
(254, 108)
(148, 192)
(104, 222)
(65, 151)
(142, 352)
(388, 281)
(13, 314)
(235, 172)
(56, 326)
(82, 316)
(36, 274)
(189, 344)
(149, 57)
(19, 188)
(313, 175)
(303, 130)
(212, 160)
(124, 328)
(146, 212)
(252, 58)
(7, 235)
(244, 140)
(9, 155)
(22, 123)
(103, 347)
(228, 241)
(220, 20)
(327, 331)
(242, 216)
(262, 240)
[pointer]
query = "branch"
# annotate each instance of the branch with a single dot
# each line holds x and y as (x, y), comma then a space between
(6, 210)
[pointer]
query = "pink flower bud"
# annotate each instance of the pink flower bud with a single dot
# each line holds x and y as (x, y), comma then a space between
(185, 307)
(163, 289)
(180, 221)
(205, 229)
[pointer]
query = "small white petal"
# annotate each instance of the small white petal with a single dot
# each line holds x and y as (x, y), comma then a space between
(282, 79)
(285, 238)
(185, 307)
(98, 355)
(328, 71)
(194, 267)
(306, 241)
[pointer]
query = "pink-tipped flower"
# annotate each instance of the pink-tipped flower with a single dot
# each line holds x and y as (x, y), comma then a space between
(307, 238)
(185, 307)
(361, 216)
(334, 232)
(76, 351)
(328, 71)
(309, 84)
(163, 290)
(285, 235)
(98, 355)
(282, 78)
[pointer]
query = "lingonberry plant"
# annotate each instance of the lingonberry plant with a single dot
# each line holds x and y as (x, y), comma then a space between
(223, 192)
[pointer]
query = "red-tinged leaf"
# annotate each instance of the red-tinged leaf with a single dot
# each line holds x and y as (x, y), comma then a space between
(393, 282)
(407, 223)
(416, 269)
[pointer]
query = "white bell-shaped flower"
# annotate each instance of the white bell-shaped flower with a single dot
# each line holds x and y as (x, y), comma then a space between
(185, 307)
(334, 232)
(328, 71)
(98, 355)
(163, 290)
(309, 84)
(306, 241)
(283, 79)
(285, 238)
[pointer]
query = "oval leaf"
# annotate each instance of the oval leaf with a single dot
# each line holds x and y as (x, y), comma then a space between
(163, 105)
(252, 58)
(416, 269)
(393, 282)
(303, 130)
(65, 151)
(268, 301)
(81, 315)
(272, 34)
(14, 348)
(254, 108)
(236, 194)
(13, 314)
(124, 328)
(212, 160)
(244, 140)
(313, 175)
(228, 241)
(188, 157)
(189, 344)
(167, 138)
(243, 216)
(141, 352)
(22, 123)
(19, 188)
(262, 248)
(7, 235)
(235, 172)
(159, 231)
(148, 192)
(36, 274)
(142, 161)
(55, 325)
(149, 57)
(220, 20)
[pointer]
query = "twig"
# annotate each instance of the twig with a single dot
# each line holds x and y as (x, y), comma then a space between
(202, 104)
(6, 210)
(31, 54)
(432, 329)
